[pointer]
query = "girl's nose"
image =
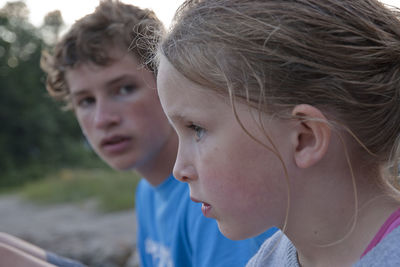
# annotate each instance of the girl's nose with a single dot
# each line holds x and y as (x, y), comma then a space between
(184, 171)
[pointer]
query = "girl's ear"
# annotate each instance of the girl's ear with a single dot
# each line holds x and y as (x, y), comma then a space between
(312, 136)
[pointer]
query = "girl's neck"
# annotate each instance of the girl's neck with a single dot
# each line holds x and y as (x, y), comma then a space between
(345, 250)
(336, 208)
(323, 228)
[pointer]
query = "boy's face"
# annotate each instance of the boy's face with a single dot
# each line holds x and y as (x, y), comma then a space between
(119, 111)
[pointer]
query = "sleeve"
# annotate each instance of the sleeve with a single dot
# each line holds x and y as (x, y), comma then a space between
(61, 261)
(211, 248)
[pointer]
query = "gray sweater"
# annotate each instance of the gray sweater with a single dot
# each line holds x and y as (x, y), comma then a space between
(279, 251)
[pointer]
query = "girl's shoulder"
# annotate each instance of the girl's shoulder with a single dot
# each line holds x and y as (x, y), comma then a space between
(386, 253)
(275, 251)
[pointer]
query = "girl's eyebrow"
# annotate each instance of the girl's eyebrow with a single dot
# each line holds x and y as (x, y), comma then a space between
(175, 117)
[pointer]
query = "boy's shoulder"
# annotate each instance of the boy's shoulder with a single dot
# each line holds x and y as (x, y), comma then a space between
(168, 190)
(170, 197)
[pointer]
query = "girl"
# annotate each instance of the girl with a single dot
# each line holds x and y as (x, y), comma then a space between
(288, 115)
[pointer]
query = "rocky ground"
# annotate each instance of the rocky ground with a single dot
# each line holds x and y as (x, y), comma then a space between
(76, 231)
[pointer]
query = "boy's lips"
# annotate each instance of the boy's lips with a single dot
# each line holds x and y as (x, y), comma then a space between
(205, 207)
(115, 144)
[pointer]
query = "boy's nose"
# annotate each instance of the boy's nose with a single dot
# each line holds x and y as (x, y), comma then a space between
(105, 117)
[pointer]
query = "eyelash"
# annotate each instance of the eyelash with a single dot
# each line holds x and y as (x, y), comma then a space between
(199, 131)
(129, 88)
(122, 90)
(85, 101)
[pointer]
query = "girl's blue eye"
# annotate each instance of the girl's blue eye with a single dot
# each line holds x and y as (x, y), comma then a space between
(199, 131)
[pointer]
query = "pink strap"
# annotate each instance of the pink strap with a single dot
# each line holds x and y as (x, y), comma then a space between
(390, 224)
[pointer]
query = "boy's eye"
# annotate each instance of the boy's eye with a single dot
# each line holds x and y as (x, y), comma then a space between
(85, 102)
(199, 131)
(126, 90)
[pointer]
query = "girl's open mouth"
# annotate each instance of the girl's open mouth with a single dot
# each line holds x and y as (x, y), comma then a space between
(205, 208)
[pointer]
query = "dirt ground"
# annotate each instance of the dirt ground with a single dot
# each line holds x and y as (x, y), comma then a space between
(76, 231)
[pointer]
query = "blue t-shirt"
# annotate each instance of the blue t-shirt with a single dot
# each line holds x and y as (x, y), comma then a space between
(173, 232)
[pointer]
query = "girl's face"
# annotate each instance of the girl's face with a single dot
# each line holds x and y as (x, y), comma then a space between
(239, 182)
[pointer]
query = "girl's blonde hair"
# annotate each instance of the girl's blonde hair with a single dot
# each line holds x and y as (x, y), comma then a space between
(341, 56)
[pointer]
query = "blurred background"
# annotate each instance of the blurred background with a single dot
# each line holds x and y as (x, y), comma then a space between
(54, 191)
(32, 143)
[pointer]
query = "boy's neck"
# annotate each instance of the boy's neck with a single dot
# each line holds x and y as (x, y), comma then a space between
(160, 167)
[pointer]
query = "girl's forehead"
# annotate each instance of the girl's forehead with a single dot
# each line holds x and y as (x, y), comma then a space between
(179, 95)
(169, 77)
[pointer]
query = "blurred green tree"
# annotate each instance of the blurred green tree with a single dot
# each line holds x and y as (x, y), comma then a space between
(35, 135)
(53, 24)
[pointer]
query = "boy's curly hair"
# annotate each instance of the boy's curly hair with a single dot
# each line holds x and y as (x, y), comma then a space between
(113, 25)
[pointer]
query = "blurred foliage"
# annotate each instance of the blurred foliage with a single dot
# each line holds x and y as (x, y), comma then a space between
(113, 190)
(36, 136)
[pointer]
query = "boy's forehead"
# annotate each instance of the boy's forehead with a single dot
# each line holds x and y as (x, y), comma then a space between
(88, 74)
(104, 55)
(112, 55)
(119, 51)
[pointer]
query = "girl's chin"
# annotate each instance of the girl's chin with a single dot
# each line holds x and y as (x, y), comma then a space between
(234, 233)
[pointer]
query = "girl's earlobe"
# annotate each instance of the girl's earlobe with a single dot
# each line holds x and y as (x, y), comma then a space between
(312, 135)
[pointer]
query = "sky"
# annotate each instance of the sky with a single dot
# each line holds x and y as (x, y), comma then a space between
(74, 9)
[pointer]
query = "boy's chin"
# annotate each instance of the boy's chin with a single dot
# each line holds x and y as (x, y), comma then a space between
(121, 166)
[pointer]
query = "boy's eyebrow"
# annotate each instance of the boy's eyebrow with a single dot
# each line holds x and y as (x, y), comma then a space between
(120, 78)
(108, 83)
(78, 92)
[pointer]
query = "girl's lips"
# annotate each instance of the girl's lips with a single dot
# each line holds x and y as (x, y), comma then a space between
(205, 208)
